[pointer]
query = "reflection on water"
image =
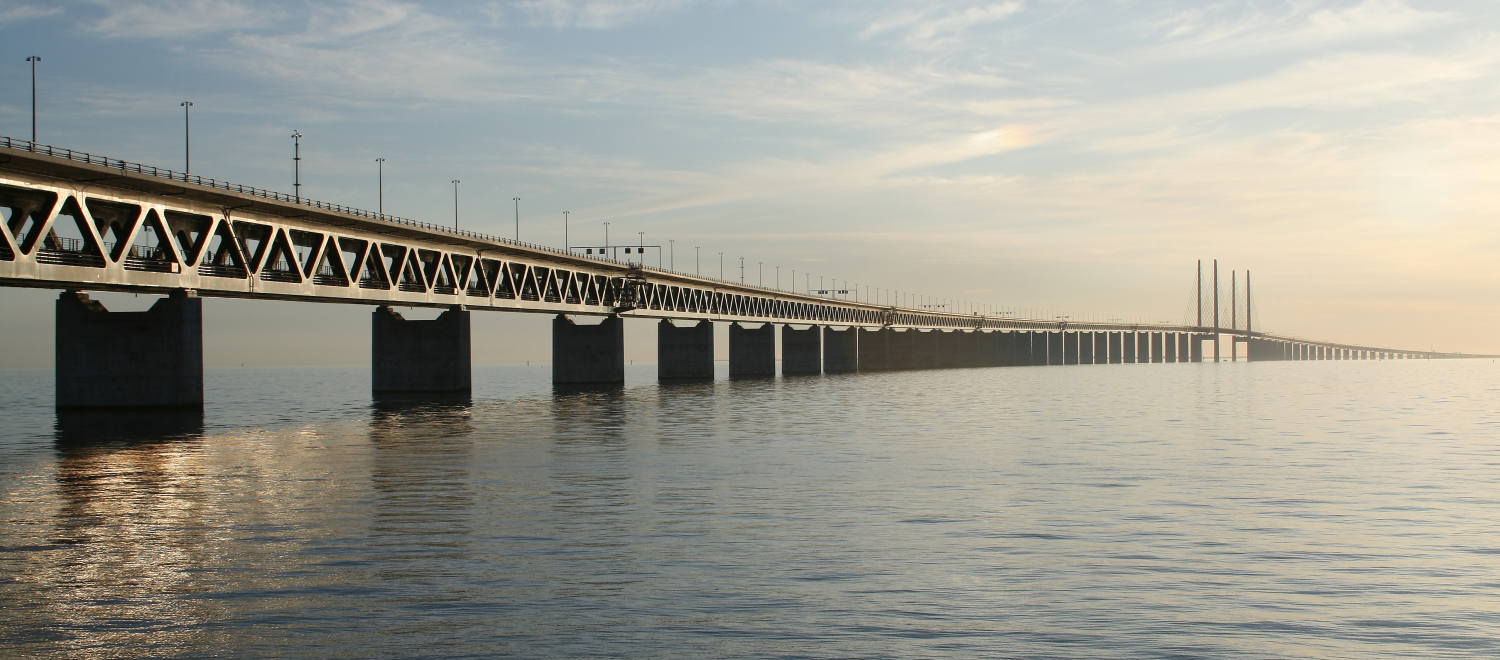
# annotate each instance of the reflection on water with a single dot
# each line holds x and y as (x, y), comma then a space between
(1239, 510)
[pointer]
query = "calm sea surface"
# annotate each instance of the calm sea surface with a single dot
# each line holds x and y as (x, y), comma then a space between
(1271, 510)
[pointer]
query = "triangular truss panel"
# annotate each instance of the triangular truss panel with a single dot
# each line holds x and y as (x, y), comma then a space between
(24, 212)
(442, 279)
(223, 258)
(373, 274)
(254, 240)
(528, 285)
(69, 239)
(281, 262)
(510, 275)
(330, 270)
(190, 230)
(352, 253)
(150, 250)
(306, 245)
(410, 274)
(548, 279)
(115, 222)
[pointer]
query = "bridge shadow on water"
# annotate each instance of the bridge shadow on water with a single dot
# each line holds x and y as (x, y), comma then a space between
(102, 427)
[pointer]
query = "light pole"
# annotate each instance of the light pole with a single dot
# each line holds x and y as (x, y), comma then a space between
(33, 60)
(187, 139)
(672, 252)
(606, 238)
(778, 278)
(721, 266)
(297, 164)
(380, 185)
(518, 218)
(742, 270)
(455, 204)
(642, 249)
(566, 248)
(761, 265)
(697, 263)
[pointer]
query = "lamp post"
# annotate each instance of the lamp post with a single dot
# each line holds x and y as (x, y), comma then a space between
(297, 164)
(742, 270)
(33, 60)
(642, 249)
(566, 248)
(380, 185)
(518, 218)
(187, 139)
(778, 278)
(606, 238)
(761, 266)
(455, 204)
(672, 252)
(721, 266)
(697, 263)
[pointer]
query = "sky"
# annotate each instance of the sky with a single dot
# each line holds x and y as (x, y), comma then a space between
(1076, 158)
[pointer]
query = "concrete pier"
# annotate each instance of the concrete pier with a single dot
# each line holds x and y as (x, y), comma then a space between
(1005, 348)
(1169, 343)
(420, 357)
(588, 354)
(840, 350)
(684, 353)
(801, 351)
(1158, 349)
(1020, 348)
(752, 352)
(1130, 344)
(1143, 347)
(1264, 350)
(986, 349)
(1195, 347)
(898, 350)
(1085, 348)
(1070, 348)
(1116, 347)
(872, 349)
(1055, 348)
(966, 350)
(151, 360)
(1101, 348)
(924, 349)
(947, 348)
(1039, 348)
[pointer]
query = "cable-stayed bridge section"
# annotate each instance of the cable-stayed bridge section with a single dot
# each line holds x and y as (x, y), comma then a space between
(82, 222)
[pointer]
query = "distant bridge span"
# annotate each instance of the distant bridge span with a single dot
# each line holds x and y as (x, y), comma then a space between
(81, 222)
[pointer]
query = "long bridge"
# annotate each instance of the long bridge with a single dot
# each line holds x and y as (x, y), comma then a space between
(80, 222)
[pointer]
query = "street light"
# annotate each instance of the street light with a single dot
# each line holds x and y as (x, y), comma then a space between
(518, 218)
(606, 238)
(566, 248)
(380, 185)
(721, 266)
(187, 139)
(455, 204)
(762, 266)
(672, 252)
(297, 164)
(33, 60)
(742, 270)
(697, 263)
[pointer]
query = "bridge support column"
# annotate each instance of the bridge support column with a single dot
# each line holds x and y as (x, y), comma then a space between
(986, 349)
(1143, 347)
(1195, 347)
(945, 345)
(588, 354)
(1055, 348)
(898, 349)
(420, 357)
(1158, 351)
(1169, 345)
(1085, 348)
(966, 349)
(1262, 350)
(1130, 345)
(685, 353)
(872, 349)
(1039, 348)
(840, 350)
(801, 351)
(1116, 347)
(1070, 348)
(122, 360)
(1020, 348)
(752, 353)
(924, 349)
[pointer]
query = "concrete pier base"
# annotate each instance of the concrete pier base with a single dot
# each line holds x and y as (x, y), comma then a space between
(801, 351)
(1085, 348)
(968, 351)
(1101, 348)
(1039, 348)
(924, 349)
(1264, 350)
(588, 354)
(1143, 347)
(419, 357)
(1055, 348)
(840, 350)
(151, 360)
(752, 352)
(1169, 343)
(1116, 347)
(898, 349)
(1020, 348)
(1130, 344)
(1184, 346)
(872, 349)
(1070, 348)
(1158, 350)
(946, 345)
(684, 353)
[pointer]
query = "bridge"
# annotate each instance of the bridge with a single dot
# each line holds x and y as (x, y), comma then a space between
(80, 222)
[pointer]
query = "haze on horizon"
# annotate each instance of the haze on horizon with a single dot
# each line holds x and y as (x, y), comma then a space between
(1068, 156)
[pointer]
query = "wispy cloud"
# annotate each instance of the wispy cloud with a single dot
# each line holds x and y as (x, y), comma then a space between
(594, 14)
(934, 25)
(179, 18)
(15, 12)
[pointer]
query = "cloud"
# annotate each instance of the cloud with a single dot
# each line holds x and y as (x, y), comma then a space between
(178, 18)
(16, 12)
(936, 25)
(595, 14)
(1232, 29)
